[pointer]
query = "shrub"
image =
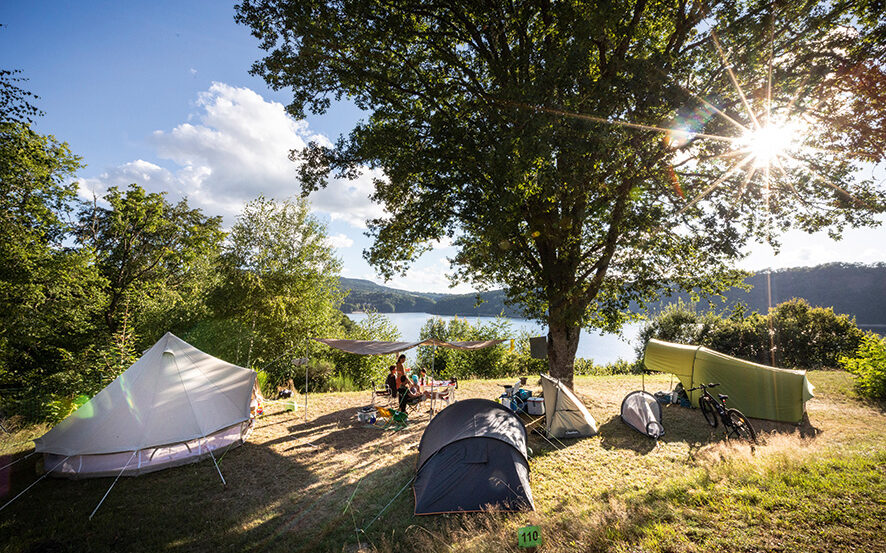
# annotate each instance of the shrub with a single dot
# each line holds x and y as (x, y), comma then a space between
(491, 362)
(261, 377)
(341, 383)
(586, 367)
(869, 367)
(804, 336)
(319, 372)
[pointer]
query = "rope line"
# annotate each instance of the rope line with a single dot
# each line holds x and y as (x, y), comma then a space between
(17, 460)
(196, 420)
(34, 483)
(365, 528)
(131, 457)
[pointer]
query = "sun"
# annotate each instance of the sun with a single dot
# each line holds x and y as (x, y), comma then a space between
(769, 143)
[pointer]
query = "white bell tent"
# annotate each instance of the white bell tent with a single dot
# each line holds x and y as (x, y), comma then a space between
(175, 405)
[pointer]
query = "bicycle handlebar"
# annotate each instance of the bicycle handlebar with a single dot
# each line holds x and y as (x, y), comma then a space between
(703, 386)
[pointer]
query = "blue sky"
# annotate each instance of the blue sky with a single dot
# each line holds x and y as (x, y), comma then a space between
(159, 93)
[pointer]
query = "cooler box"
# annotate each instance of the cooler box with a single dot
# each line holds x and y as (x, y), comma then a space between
(535, 406)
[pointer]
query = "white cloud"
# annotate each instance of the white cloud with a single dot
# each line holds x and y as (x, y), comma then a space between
(428, 279)
(232, 150)
(798, 249)
(145, 173)
(339, 241)
(442, 243)
(348, 200)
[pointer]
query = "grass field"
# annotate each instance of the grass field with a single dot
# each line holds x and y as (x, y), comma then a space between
(310, 483)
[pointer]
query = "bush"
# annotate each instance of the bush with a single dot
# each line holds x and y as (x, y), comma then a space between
(491, 362)
(586, 367)
(869, 367)
(319, 373)
(804, 336)
(341, 383)
(261, 378)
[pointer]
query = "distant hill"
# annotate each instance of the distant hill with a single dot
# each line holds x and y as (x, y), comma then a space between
(858, 290)
(366, 294)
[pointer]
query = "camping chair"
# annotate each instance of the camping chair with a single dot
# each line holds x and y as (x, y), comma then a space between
(390, 419)
(447, 395)
(389, 395)
(410, 404)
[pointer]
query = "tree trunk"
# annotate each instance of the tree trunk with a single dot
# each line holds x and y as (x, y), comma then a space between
(562, 345)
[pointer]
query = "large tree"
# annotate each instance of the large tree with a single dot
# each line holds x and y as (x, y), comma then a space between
(157, 257)
(48, 291)
(585, 155)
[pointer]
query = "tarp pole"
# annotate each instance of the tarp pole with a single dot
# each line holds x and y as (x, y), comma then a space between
(112, 484)
(433, 377)
(306, 392)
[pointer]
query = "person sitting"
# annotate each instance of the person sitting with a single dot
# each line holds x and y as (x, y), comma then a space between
(391, 381)
(408, 394)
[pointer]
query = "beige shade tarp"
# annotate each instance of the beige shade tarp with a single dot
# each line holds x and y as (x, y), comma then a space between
(170, 407)
(565, 414)
(756, 390)
(377, 347)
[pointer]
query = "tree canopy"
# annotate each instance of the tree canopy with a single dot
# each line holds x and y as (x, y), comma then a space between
(588, 154)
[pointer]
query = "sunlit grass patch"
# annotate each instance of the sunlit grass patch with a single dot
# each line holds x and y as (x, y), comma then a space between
(314, 483)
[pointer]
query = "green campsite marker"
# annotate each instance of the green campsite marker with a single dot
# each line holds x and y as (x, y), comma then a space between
(529, 536)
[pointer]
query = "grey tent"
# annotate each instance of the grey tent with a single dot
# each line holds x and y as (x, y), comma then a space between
(642, 412)
(473, 456)
(565, 415)
(175, 405)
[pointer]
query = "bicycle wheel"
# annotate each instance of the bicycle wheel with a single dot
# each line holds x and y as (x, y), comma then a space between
(709, 410)
(740, 426)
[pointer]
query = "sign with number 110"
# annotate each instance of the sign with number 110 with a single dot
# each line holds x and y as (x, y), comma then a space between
(529, 536)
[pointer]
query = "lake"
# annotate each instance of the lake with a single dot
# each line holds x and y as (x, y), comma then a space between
(602, 348)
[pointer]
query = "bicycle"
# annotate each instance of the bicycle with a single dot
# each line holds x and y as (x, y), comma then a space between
(736, 424)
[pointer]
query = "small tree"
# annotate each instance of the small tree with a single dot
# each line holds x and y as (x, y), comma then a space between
(280, 285)
(869, 366)
(50, 294)
(484, 363)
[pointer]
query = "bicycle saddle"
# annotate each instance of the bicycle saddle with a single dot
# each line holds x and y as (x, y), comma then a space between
(722, 396)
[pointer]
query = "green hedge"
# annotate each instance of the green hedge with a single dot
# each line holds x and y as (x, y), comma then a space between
(805, 337)
(869, 367)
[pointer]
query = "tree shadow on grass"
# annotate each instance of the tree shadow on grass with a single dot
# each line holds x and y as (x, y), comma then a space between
(380, 502)
(804, 429)
(340, 430)
(178, 509)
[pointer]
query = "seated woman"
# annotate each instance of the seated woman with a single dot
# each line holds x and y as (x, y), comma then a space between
(408, 394)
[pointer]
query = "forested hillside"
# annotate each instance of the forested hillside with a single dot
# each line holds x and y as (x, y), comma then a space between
(858, 290)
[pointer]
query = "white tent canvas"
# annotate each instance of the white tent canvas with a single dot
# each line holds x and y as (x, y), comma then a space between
(565, 414)
(173, 406)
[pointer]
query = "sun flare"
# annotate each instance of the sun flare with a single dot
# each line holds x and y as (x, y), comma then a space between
(768, 143)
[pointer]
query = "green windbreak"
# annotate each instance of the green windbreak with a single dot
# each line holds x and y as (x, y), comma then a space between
(756, 390)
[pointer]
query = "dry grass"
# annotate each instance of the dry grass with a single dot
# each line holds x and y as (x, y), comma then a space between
(308, 484)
